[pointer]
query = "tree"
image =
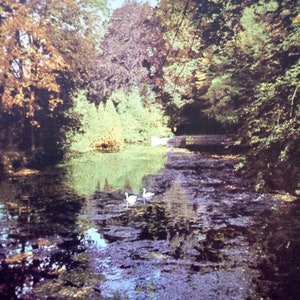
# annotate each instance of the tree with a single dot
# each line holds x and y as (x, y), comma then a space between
(273, 116)
(254, 66)
(179, 28)
(41, 69)
(31, 69)
(133, 122)
(75, 29)
(246, 76)
(141, 117)
(131, 53)
(96, 131)
(179, 88)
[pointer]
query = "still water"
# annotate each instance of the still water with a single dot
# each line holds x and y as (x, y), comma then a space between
(116, 171)
(66, 234)
(45, 220)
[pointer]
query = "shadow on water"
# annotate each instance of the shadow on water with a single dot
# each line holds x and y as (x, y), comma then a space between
(38, 227)
(205, 234)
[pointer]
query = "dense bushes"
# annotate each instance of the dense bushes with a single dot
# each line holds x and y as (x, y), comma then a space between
(125, 118)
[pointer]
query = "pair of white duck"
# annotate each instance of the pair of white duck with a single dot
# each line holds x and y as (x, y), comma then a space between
(132, 199)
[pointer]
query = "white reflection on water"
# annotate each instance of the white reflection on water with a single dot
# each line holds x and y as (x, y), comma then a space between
(1, 210)
(93, 236)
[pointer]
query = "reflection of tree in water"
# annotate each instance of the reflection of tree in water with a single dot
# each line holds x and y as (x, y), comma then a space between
(178, 202)
(181, 214)
(37, 213)
(42, 204)
(117, 171)
(171, 218)
(185, 231)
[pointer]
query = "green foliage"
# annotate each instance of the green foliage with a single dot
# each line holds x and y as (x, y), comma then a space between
(179, 28)
(221, 94)
(125, 118)
(273, 129)
(251, 66)
(255, 36)
(273, 119)
(247, 75)
(179, 24)
(179, 86)
(110, 136)
(140, 118)
(100, 128)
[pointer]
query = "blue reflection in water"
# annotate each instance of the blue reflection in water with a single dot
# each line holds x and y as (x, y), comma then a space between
(93, 236)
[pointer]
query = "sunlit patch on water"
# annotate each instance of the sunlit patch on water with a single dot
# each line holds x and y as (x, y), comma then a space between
(92, 236)
(118, 284)
(1, 210)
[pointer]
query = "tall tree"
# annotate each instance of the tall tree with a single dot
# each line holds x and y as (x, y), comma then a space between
(179, 28)
(131, 52)
(75, 29)
(246, 76)
(40, 71)
(31, 68)
(254, 66)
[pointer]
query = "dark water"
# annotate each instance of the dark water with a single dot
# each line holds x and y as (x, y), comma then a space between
(66, 234)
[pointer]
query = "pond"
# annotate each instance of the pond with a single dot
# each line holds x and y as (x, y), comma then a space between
(205, 234)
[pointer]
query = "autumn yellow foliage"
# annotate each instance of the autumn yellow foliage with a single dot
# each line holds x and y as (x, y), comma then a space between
(30, 64)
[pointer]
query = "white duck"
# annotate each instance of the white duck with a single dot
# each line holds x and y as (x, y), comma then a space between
(148, 195)
(130, 200)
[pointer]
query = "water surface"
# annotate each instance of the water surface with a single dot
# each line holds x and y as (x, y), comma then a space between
(116, 171)
(66, 234)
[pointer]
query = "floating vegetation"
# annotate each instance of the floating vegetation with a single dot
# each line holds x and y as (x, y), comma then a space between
(17, 258)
